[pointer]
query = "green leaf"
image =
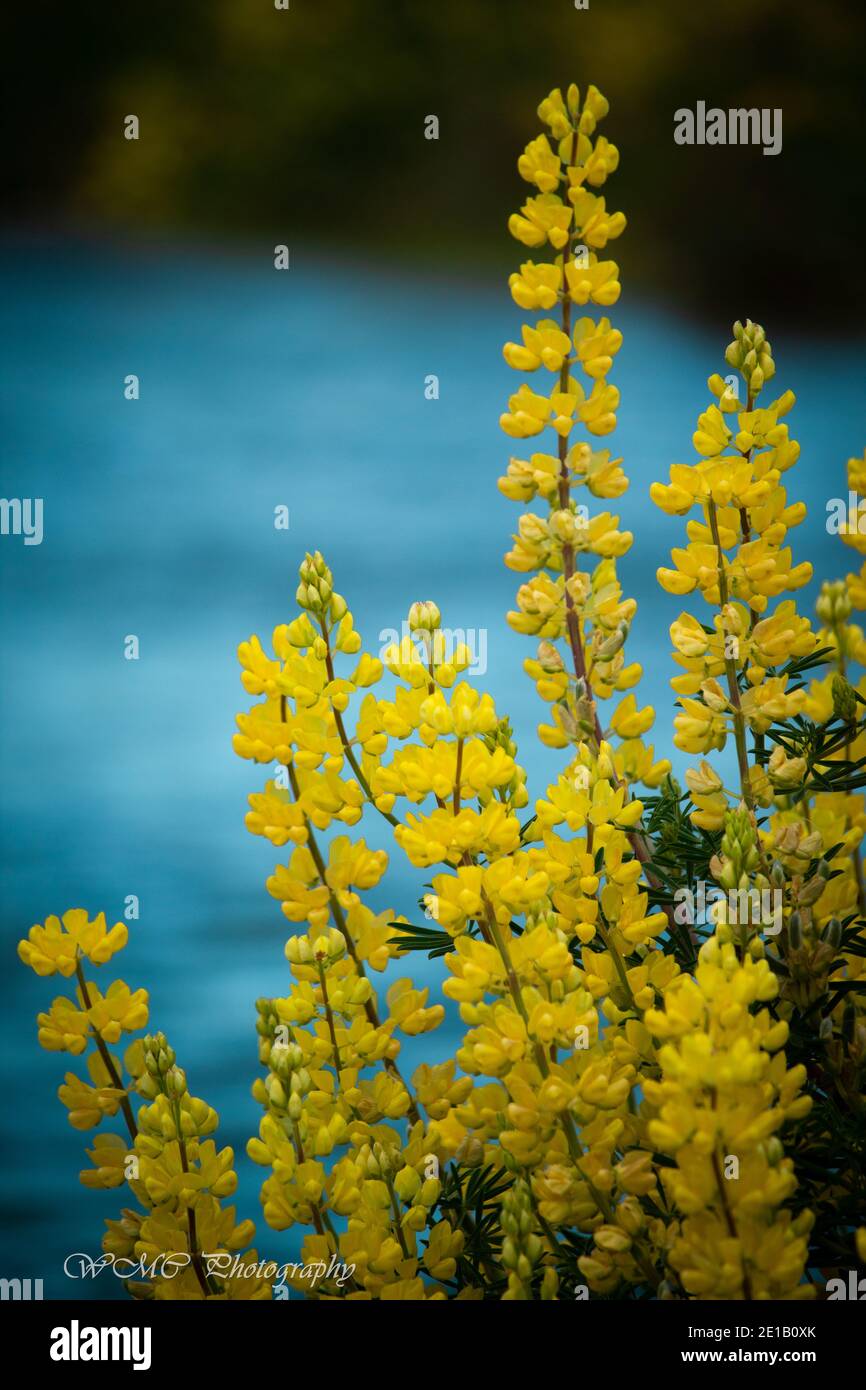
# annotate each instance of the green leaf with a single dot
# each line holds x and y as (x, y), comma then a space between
(412, 938)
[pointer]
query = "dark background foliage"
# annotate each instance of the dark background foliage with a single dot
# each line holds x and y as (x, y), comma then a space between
(310, 121)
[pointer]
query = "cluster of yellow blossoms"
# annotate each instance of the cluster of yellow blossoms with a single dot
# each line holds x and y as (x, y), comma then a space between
(173, 1170)
(623, 1111)
(738, 561)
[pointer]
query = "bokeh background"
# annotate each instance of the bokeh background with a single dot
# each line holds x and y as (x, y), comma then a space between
(306, 389)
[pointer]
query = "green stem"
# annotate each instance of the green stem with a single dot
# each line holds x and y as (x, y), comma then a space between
(342, 926)
(731, 670)
(619, 965)
(104, 1053)
(398, 1224)
(344, 737)
(329, 1014)
(457, 776)
(194, 1252)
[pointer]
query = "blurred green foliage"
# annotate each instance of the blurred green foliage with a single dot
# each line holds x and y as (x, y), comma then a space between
(308, 124)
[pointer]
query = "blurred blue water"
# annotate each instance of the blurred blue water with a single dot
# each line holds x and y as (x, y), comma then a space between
(258, 388)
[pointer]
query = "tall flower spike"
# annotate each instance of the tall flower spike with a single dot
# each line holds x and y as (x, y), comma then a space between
(560, 602)
(738, 560)
(180, 1229)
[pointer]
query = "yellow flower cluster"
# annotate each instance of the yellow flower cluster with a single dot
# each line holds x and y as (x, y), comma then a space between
(824, 823)
(551, 943)
(181, 1231)
(723, 1092)
(738, 561)
(741, 675)
(333, 1094)
(642, 1102)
